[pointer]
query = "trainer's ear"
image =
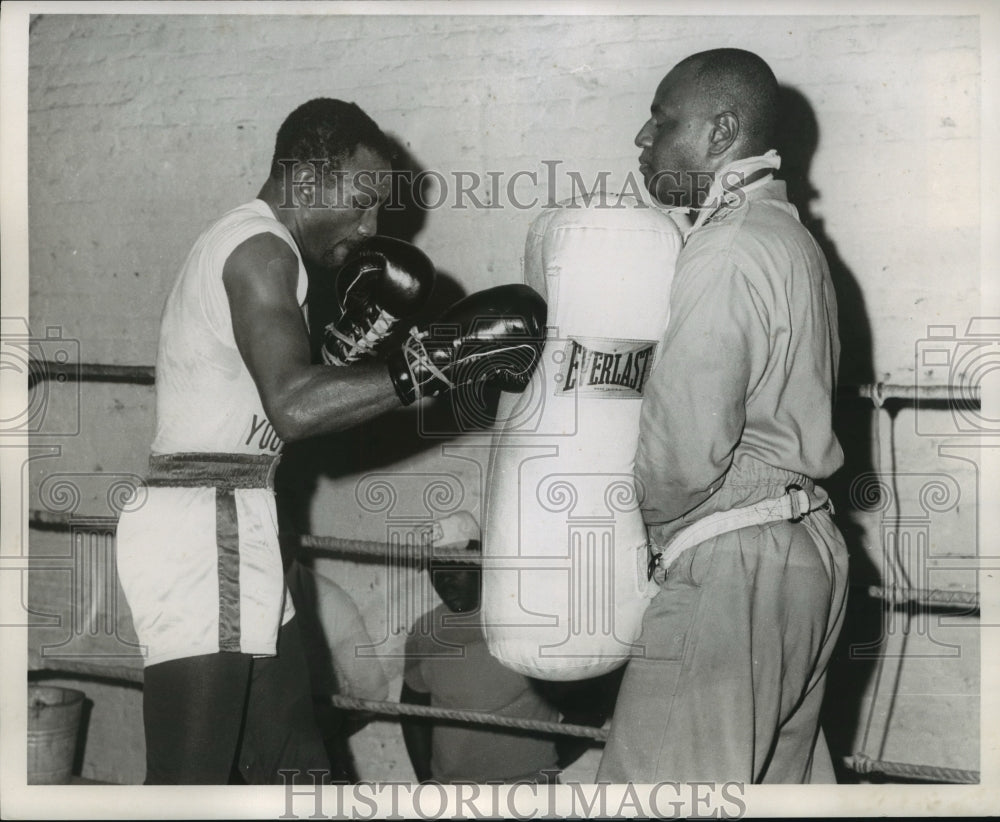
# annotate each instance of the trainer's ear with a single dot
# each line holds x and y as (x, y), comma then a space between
(725, 130)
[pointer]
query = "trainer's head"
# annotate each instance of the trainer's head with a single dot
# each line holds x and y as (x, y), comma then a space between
(712, 108)
(329, 175)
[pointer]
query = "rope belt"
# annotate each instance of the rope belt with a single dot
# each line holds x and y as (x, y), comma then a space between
(223, 471)
(792, 506)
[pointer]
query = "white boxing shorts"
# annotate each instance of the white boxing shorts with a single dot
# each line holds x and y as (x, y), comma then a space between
(199, 559)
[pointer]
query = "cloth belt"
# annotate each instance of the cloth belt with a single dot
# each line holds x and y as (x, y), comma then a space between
(227, 473)
(209, 470)
(792, 506)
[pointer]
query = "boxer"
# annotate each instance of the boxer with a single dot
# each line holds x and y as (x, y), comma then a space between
(225, 679)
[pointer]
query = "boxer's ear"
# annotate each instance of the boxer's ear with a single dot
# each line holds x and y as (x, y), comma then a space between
(304, 183)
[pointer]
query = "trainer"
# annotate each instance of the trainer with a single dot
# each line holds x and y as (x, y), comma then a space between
(737, 412)
(226, 685)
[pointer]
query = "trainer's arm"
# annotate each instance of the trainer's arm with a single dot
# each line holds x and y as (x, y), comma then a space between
(694, 409)
(300, 399)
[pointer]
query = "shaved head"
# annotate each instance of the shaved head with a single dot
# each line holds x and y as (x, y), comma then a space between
(741, 82)
(711, 109)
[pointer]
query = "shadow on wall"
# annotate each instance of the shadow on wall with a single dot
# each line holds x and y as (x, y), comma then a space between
(847, 678)
(381, 441)
(404, 216)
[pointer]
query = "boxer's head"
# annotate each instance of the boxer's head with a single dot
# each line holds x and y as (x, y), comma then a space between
(330, 174)
(712, 108)
(458, 584)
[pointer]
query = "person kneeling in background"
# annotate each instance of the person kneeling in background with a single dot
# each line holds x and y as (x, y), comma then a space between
(449, 666)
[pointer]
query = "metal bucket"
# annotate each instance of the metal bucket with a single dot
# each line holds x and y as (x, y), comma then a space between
(53, 729)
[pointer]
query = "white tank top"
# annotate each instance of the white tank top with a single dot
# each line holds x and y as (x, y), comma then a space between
(206, 399)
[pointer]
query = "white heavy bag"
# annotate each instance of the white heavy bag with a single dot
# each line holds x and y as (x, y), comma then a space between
(564, 545)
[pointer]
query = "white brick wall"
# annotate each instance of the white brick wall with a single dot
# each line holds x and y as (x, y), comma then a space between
(128, 111)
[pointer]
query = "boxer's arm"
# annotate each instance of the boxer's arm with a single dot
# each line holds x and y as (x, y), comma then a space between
(694, 408)
(299, 398)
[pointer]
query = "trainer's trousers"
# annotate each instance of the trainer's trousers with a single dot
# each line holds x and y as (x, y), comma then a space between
(735, 650)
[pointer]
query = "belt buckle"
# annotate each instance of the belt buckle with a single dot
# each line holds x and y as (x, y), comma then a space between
(797, 512)
(654, 561)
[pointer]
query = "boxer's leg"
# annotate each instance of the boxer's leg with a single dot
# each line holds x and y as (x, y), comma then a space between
(281, 731)
(192, 711)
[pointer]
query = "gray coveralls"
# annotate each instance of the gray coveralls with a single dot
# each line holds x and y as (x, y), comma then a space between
(737, 641)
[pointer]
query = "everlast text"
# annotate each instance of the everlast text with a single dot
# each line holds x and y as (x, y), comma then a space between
(605, 367)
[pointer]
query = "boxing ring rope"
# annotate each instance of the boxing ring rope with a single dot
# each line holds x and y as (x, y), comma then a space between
(57, 521)
(880, 392)
(372, 706)
(377, 706)
(894, 595)
(320, 545)
(859, 762)
(930, 597)
(42, 370)
(330, 545)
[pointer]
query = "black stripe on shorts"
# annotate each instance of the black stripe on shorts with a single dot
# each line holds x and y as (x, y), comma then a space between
(227, 537)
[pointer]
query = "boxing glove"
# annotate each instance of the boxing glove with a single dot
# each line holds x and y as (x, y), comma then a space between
(384, 281)
(492, 336)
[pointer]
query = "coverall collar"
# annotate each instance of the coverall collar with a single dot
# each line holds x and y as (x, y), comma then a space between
(729, 188)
